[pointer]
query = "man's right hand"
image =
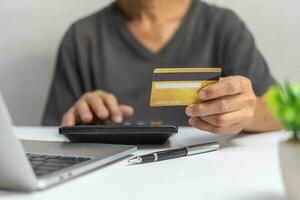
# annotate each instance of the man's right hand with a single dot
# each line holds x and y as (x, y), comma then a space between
(97, 105)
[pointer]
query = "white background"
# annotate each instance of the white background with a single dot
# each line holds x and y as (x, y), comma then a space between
(31, 30)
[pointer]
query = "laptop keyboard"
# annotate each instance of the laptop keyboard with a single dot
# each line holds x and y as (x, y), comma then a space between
(45, 164)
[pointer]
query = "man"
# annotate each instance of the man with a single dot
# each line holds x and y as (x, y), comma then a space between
(106, 60)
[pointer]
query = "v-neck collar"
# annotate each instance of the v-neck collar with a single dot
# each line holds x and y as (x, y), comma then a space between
(137, 45)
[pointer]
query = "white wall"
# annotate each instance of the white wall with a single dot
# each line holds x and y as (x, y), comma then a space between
(31, 30)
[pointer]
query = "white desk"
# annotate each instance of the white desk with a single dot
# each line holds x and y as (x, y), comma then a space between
(247, 169)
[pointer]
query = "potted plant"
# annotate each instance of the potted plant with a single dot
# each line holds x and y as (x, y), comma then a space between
(284, 102)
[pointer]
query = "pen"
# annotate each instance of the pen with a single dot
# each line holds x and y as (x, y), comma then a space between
(175, 153)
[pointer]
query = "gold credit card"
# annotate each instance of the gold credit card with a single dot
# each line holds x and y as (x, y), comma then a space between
(180, 86)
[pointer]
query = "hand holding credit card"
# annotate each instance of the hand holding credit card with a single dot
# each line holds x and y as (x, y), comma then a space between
(180, 86)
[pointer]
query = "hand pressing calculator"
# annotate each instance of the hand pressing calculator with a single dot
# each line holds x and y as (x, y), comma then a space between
(126, 133)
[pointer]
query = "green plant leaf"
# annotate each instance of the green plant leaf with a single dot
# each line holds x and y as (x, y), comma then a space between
(284, 103)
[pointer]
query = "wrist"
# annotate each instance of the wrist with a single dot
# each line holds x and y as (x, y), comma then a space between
(262, 120)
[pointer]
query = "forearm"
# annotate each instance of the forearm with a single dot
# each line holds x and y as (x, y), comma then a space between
(262, 120)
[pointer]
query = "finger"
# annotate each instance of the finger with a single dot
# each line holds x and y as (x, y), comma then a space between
(69, 118)
(127, 111)
(84, 112)
(113, 107)
(225, 87)
(228, 119)
(198, 123)
(220, 106)
(98, 107)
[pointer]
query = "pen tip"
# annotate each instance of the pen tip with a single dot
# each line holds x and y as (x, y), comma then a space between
(135, 160)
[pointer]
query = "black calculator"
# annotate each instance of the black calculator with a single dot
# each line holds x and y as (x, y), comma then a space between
(126, 133)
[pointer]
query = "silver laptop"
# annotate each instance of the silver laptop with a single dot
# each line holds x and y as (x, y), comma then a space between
(36, 165)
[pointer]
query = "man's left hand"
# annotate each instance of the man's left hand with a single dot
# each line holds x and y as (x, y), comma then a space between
(228, 106)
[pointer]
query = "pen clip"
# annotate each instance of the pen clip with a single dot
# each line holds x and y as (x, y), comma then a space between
(197, 149)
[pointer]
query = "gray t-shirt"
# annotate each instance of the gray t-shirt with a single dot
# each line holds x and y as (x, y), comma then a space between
(99, 52)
